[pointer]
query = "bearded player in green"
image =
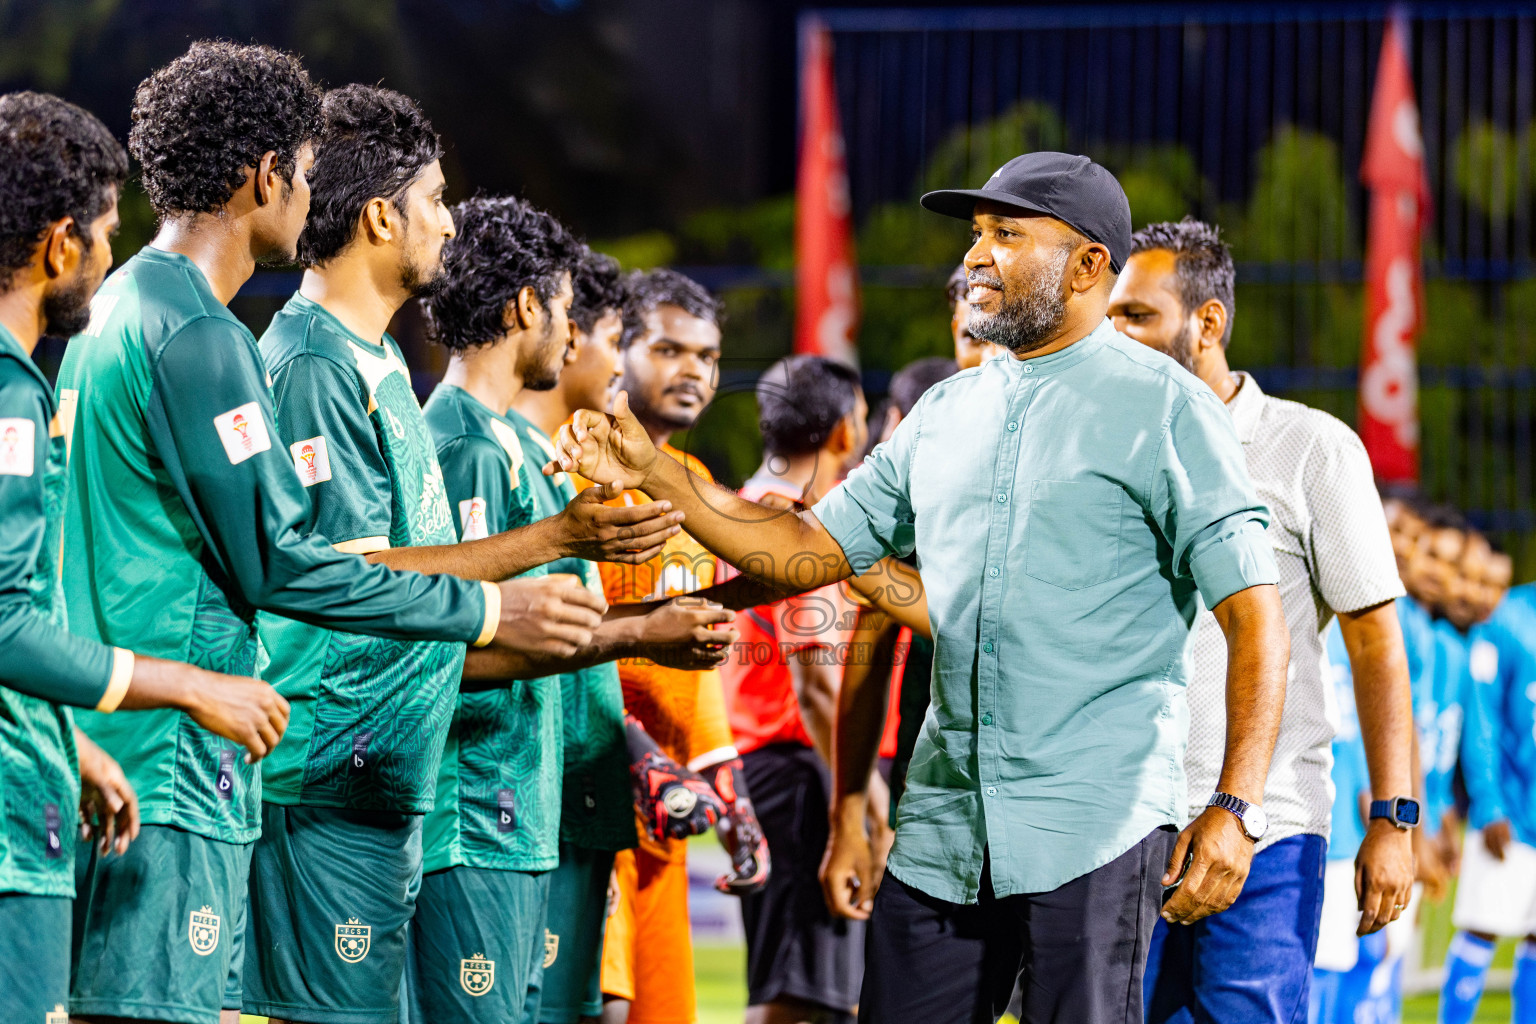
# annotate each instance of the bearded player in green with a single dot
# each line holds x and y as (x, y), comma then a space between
(60, 171)
(184, 517)
(503, 803)
(335, 873)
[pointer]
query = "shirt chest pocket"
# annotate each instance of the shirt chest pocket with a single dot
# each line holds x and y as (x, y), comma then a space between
(1072, 538)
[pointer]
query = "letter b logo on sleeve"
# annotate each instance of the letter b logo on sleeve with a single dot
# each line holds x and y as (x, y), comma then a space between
(243, 432)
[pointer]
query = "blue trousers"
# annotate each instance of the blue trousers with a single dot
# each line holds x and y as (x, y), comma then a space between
(1251, 964)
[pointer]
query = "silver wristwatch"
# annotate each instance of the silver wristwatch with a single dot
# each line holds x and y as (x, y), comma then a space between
(1251, 817)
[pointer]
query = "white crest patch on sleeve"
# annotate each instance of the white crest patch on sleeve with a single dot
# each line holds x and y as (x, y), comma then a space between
(1484, 661)
(243, 432)
(311, 460)
(18, 440)
(472, 519)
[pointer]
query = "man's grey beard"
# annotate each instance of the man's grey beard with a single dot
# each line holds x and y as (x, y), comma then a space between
(1025, 321)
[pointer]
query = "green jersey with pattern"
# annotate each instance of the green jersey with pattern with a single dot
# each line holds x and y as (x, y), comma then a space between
(368, 716)
(597, 801)
(498, 803)
(184, 516)
(42, 667)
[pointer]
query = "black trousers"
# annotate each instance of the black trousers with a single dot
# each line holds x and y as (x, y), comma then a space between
(1077, 952)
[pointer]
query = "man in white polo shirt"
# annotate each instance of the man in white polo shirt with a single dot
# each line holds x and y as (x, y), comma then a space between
(1335, 558)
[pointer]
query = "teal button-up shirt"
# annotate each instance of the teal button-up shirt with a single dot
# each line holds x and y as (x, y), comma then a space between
(1065, 511)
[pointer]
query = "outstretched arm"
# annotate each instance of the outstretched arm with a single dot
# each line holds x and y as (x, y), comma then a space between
(785, 549)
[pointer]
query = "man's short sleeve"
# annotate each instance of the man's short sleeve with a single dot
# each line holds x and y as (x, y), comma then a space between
(1350, 548)
(870, 513)
(322, 417)
(1204, 503)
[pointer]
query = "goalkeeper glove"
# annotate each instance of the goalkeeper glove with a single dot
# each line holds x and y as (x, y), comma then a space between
(740, 832)
(674, 802)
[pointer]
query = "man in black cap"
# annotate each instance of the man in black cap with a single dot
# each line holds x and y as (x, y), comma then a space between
(1071, 504)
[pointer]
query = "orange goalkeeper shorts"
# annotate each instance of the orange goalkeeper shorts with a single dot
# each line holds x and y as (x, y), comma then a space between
(648, 948)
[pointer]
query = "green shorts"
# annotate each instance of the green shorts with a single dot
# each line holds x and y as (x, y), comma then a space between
(34, 958)
(573, 956)
(332, 893)
(477, 935)
(159, 932)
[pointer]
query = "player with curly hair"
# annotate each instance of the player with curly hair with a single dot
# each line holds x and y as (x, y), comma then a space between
(375, 714)
(185, 516)
(60, 171)
(493, 839)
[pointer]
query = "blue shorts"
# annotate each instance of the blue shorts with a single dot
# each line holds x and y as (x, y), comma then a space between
(1252, 962)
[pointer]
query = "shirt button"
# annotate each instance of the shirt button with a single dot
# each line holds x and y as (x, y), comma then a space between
(1013, 425)
(1001, 498)
(1029, 369)
(991, 791)
(986, 719)
(993, 571)
(987, 647)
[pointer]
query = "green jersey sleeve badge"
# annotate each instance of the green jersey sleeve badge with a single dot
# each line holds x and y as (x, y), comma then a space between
(18, 439)
(472, 519)
(243, 432)
(311, 460)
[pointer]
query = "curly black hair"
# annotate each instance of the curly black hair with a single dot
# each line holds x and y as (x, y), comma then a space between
(202, 121)
(374, 144)
(663, 287)
(599, 286)
(56, 161)
(503, 245)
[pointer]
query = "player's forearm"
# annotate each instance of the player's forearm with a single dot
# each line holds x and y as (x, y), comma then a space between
(492, 668)
(861, 704)
(1383, 697)
(1258, 653)
(816, 691)
(492, 559)
(896, 589)
(786, 550)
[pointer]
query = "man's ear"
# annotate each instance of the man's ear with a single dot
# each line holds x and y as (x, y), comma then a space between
(380, 220)
(528, 310)
(840, 439)
(61, 248)
(1091, 265)
(1212, 318)
(268, 180)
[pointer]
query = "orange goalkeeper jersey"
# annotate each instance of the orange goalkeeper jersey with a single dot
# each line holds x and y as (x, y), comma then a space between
(683, 711)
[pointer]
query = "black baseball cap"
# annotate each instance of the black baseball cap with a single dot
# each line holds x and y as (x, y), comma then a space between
(1073, 189)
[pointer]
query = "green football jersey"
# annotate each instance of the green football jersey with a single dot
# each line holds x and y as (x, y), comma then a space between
(369, 716)
(598, 804)
(42, 667)
(498, 803)
(183, 517)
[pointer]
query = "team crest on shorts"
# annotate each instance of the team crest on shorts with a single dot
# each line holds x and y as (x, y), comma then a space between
(551, 948)
(57, 1015)
(203, 931)
(352, 940)
(477, 974)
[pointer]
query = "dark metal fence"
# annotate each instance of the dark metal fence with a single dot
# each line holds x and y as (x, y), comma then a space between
(1252, 116)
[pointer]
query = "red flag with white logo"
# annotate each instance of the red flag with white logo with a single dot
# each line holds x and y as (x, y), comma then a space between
(826, 272)
(1393, 169)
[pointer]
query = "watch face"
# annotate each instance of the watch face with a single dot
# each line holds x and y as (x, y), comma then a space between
(1408, 812)
(1255, 822)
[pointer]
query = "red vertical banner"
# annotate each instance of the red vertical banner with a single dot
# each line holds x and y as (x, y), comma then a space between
(1393, 169)
(826, 271)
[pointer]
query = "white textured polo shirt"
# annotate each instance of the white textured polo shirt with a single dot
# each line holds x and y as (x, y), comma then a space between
(1334, 554)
